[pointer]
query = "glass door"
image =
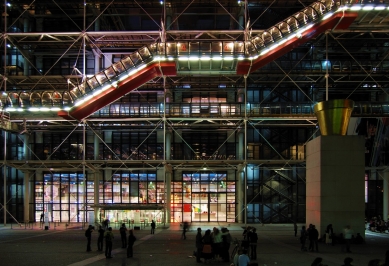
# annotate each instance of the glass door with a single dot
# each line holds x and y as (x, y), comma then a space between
(200, 207)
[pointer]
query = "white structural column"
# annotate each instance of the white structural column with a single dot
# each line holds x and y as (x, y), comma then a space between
(26, 199)
(240, 191)
(26, 148)
(240, 196)
(168, 145)
(96, 199)
(335, 183)
(96, 146)
(168, 193)
(386, 196)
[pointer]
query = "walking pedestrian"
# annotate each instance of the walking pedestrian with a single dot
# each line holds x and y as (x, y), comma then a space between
(152, 227)
(184, 229)
(131, 241)
(101, 232)
(88, 234)
(108, 235)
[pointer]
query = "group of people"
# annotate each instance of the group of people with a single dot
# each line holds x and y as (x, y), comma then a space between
(377, 224)
(312, 234)
(213, 244)
(107, 235)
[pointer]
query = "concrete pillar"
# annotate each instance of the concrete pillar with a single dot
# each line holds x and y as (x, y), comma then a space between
(335, 183)
(386, 196)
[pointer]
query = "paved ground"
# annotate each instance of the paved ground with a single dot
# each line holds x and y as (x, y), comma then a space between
(67, 246)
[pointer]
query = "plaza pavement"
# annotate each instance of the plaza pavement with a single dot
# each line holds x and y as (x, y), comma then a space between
(66, 245)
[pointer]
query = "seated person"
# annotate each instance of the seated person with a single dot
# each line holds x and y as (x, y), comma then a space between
(359, 239)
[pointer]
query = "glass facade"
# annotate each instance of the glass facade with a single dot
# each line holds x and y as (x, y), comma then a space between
(203, 197)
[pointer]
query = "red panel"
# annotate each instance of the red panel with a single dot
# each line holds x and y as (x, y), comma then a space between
(344, 21)
(112, 94)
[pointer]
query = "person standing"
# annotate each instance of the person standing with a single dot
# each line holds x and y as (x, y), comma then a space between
(101, 232)
(123, 235)
(152, 227)
(199, 245)
(88, 234)
(225, 250)
(131, 241)
(303, 238)
(295, 229)
(348, 234)
(313, 236)
(253, 243)
(329, 234)
(108, 235)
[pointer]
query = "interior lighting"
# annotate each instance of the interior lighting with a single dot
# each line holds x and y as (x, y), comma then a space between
(10, 109)
(240, 57)
(205, 58)
(44, 109)
(368, 8)
(55, 108)
(79, 102)
(217, 58)
(141, 67)
(183, 58)
(379, 8)
(355, 8)
(328, 15)
(67, 108)
(265, 51)
(194, 58)
(228, 58)
(33, 109)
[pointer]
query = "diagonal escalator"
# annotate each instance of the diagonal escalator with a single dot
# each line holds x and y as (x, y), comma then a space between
(218, 57)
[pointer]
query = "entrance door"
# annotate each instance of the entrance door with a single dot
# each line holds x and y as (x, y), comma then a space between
(208, 207)
(200, 207)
